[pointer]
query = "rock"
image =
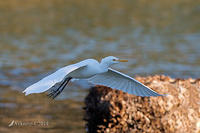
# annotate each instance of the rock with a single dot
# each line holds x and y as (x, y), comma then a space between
(110, 110)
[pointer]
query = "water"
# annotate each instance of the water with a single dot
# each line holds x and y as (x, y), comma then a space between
(38, 37)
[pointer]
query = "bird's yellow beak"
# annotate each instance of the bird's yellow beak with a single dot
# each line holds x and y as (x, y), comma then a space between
(120, 60)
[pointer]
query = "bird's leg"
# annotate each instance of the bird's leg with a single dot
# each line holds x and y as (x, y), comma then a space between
(60, 90)
(56, 92)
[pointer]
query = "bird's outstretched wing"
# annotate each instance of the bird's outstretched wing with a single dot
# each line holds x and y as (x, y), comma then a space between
(120, 81)
(53, 81)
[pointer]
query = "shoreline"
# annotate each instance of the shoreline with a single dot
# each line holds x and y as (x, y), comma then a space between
(109, 110)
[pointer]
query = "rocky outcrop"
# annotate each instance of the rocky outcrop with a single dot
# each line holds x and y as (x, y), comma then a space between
(109, 110)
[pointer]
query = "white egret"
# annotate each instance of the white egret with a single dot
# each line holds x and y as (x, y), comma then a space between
(96, 73)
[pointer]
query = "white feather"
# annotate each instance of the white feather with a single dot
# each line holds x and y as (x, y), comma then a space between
(119, 80)
(98, 73)
(53, 79)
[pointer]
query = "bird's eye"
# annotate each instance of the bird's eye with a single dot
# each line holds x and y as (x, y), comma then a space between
(114, 59)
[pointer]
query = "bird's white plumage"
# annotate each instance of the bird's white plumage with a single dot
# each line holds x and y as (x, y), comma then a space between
(53, 80)
(96, 73)
(120, 81)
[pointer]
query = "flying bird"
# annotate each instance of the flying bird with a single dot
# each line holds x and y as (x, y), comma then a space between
(95, 73)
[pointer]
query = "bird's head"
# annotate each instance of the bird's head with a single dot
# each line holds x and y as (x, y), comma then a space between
(111, 60)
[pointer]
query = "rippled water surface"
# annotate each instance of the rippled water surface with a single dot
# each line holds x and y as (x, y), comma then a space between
(38, 37)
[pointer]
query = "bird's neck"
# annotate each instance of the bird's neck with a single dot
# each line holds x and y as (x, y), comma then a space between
(104, 66)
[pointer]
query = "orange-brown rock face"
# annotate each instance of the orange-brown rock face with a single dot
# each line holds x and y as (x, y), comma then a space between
(109, 110)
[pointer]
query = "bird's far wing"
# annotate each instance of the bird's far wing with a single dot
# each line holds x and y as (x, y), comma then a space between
(120, 81)
(52, 81)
